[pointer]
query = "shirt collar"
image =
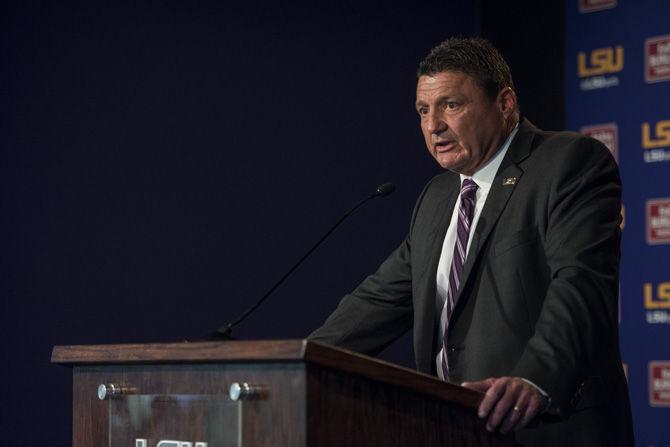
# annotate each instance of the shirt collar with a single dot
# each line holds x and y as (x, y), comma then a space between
(485, 175)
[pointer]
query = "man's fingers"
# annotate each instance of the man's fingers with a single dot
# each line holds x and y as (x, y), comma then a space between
(535, 405)
(518, 413)
(512, 419)
(509, 403)
(506, 393)
(491, 398)
(528, 404)
(482, 386)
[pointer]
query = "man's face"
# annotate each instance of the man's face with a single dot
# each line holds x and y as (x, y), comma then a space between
(462, 127)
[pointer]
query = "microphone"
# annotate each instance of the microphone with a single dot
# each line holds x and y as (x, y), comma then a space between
(384, 189)
(225, 332)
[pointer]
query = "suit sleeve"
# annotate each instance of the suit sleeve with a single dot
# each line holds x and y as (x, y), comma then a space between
(380, 309)
(377, 312)
(576, 334)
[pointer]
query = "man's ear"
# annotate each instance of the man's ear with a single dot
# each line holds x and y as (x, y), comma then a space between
(507, 101)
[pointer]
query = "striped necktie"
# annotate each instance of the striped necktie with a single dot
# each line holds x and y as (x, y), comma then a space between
(466, 210)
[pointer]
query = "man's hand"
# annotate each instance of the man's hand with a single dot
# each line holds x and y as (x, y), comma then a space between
(510, 403)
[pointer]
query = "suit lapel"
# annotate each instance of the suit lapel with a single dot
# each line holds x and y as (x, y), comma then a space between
(426, 307)
(442, 216)
(506, 179)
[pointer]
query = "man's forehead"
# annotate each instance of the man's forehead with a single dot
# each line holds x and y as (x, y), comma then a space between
(443, 83)
(445, 77)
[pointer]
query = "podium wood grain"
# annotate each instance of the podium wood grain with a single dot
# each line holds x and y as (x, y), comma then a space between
(317, 395)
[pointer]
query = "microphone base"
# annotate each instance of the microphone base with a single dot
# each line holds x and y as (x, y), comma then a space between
(224, 333)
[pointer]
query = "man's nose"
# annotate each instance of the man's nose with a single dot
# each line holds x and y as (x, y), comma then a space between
(435, 122)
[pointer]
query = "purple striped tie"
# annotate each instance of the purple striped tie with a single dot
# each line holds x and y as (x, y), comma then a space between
(466, 210)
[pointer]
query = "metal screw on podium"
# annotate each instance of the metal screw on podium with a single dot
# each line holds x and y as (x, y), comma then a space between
(244, 391)
(110, 390)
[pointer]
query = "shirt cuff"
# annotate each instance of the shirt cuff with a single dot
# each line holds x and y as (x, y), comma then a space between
(542, 392)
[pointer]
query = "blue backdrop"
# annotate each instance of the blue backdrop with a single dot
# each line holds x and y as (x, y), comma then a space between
(164, 162)
(617, 84)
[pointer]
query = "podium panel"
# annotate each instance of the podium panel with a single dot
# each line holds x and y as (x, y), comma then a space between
(291, 393)
(181, 420)
(171, 402)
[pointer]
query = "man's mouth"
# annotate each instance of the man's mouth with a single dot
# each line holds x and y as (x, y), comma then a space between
(444, 146)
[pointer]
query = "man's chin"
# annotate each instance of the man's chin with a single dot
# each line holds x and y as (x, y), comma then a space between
(449, 164)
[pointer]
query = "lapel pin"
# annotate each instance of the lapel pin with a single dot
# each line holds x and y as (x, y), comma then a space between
(509, 181)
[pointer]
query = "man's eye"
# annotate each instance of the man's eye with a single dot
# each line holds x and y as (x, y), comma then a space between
(422, 110)
(452, 105)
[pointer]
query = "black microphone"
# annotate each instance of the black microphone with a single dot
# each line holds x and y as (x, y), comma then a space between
(385, 189)
(225, 332)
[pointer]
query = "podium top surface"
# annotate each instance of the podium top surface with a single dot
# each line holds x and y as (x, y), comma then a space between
(264, 351)
(185, 352)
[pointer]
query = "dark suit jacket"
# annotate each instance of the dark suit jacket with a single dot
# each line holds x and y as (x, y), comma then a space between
(538, 298)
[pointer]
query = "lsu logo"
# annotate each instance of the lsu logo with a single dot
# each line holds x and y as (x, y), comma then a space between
(658, 221)
(169, 443)
(660, 136)
(657, 59)
(600, 61)
(658, 298)
(659, 383)
(595, 5)
(605, 133)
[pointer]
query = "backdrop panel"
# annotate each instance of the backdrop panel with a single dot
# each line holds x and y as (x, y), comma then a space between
(617, 83)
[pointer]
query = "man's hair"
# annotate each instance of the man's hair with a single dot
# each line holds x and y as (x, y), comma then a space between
(474, 56)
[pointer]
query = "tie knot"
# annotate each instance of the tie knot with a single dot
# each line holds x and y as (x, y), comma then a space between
(468, 189)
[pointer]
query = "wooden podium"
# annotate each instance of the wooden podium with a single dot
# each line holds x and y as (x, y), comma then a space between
(261, 393)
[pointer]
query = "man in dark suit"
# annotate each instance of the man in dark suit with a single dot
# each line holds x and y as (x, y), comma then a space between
(509, 273)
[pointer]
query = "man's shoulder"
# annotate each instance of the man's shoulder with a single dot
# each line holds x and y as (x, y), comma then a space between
(557, 146)
(563, 138)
